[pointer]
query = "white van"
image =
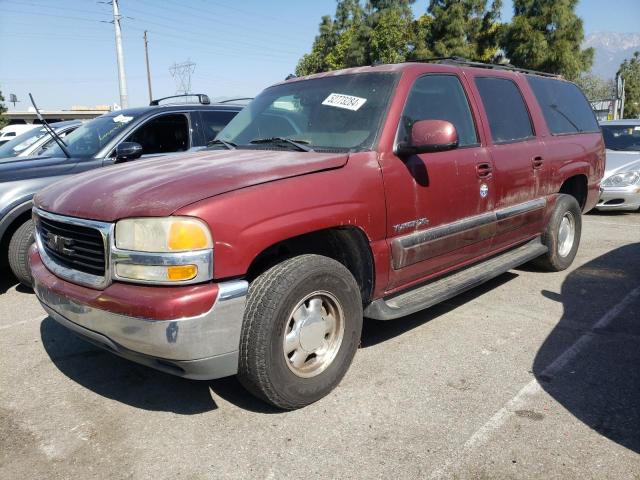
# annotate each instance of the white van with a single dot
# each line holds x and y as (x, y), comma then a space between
(12, 131)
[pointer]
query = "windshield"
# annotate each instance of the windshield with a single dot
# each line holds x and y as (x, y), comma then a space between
(15, 146)
(340, 113)
(91, 137)
(622, 137)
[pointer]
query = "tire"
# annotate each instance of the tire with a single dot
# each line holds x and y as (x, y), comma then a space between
(317, 289)
(19, 245)
(561, 253)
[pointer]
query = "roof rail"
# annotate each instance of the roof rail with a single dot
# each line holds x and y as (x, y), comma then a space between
(231, 100)
(202, 98)
(491, 66)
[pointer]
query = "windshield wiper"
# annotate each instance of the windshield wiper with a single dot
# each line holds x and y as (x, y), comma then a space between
(555, 107)
(218, 141)
(299, 144)
(50, 131)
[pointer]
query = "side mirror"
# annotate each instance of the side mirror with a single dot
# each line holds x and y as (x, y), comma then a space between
(429, 136)
(128, 151)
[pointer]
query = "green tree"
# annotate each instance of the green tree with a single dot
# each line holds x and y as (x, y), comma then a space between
(3, 120)
(595, 88)
(381, 31)
(390, 30)
(546, 35)
(630, 71)
(463, 28)
(339, 42)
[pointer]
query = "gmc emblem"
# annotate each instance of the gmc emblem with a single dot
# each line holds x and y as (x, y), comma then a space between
(59, 244)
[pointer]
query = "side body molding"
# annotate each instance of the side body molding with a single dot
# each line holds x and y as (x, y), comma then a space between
(418, 246)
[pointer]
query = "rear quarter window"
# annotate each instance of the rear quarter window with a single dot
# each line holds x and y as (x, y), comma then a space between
(564, 106)
(505, 108)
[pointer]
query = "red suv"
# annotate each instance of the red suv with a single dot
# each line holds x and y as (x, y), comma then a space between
(375, 191)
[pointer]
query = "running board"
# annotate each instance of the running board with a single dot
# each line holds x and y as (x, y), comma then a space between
(437, 291)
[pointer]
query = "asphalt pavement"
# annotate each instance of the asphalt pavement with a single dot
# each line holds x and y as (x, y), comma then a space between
(533, 375)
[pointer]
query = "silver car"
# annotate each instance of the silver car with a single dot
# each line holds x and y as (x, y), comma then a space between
(36, 140)
(621, 182)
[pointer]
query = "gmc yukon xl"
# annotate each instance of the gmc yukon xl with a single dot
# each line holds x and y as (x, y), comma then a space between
(374, 191)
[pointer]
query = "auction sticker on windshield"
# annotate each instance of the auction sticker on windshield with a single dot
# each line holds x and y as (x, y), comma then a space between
(344, 101)
(122, 119)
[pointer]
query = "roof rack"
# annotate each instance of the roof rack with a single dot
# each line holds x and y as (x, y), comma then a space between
(491, 66)
(231, 100)
(202, 98)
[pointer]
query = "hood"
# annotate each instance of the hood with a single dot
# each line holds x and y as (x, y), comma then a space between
(620, 162)
(160, 186)
(22, 168)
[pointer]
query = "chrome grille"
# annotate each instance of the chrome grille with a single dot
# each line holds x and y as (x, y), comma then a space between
(73, 246)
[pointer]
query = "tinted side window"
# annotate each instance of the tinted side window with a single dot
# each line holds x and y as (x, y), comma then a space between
(507, 113)
(439, 97)
(213, 122)
(565, 108)
(163, 134)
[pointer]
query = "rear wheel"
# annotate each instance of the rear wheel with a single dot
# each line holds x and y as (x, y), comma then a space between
(19, 245)
(301, 331)
(562, 235)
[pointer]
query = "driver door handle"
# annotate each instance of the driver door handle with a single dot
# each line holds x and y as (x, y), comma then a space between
(537, 162)
(484, 170)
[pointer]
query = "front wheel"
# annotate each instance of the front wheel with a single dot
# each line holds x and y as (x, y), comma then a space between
(562, 235)
(19, 245)
(301, 330)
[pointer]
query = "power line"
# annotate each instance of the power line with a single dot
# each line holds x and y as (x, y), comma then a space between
(215, 22)
(231, 41)
(42, 14)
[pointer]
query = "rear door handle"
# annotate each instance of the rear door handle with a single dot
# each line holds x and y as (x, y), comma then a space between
(484, 170)
(537, 162)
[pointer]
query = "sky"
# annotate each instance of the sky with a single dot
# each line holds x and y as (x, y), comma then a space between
(63, 51)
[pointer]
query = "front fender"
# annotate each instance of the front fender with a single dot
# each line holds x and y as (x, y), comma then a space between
(246, 222)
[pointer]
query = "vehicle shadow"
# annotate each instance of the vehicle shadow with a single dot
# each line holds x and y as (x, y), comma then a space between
(589, 362)
(136, 385)
(7, 280)
(377, 331)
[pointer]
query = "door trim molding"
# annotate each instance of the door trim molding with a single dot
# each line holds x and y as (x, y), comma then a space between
(418, 246)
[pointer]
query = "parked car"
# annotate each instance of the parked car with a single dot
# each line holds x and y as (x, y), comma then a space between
(621, 183)
(116, 137)
(36, 140)
(12, 131)
(376, 191)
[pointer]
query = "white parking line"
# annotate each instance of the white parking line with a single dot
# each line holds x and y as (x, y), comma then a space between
(17, 324)
(612, 224)
(483, 434)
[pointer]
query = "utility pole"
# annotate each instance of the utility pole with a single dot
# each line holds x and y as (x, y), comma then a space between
(124, 98)
(146, 56)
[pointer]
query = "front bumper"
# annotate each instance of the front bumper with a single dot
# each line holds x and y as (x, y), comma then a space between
(200, 347)
(619, 198)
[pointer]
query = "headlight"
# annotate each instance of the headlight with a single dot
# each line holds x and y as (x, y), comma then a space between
(622, 179)
(162, 250)
(173, 234)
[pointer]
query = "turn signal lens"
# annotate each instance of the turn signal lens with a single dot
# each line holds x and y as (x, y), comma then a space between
(181, 272)
(157, 273)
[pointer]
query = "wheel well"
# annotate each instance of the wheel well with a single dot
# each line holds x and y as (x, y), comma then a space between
(8, 233)
(348, 246)
(576, 186)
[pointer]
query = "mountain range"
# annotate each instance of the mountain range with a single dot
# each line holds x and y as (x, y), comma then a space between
(611, 49)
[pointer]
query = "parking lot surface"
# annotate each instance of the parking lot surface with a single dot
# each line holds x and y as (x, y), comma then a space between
(533, 375)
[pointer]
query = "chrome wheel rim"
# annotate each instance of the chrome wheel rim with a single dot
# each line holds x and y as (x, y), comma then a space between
(313, 334)
(566, 234)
